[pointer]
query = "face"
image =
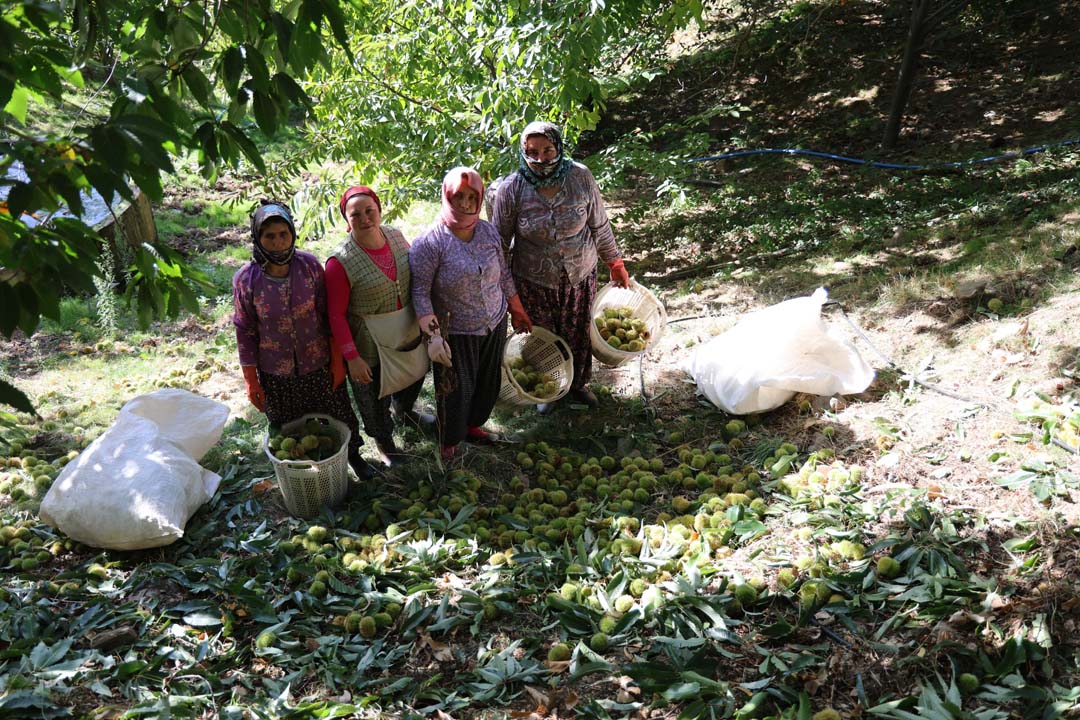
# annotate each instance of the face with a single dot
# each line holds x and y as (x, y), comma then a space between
(538, 149)
(362, 213)
(275, 235)
(466, 200)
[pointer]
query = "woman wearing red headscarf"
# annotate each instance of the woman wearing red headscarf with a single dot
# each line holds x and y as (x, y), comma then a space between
(462, 287)
(368, 275)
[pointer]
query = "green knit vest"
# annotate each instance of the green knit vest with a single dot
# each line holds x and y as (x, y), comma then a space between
(370, 291)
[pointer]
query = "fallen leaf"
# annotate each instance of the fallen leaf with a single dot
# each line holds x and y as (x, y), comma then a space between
(262, 486)
(557, 666)
(441, 651)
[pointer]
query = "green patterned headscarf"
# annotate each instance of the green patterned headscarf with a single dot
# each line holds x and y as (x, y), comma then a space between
(551, 173)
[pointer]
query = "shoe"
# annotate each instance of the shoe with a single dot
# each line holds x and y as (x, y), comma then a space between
(419, 420)
(360, 466)
(480, 436)
(585, 396)
(392, 456)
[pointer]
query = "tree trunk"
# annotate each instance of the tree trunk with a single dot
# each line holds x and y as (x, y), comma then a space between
(906, 77)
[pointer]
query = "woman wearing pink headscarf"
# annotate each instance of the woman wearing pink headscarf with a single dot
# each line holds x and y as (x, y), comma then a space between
(462, 290)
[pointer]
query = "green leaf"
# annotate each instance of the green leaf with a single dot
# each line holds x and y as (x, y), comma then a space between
(682, 691)
(266, 113)
(17, 105)
(232, 66)
(11, 395)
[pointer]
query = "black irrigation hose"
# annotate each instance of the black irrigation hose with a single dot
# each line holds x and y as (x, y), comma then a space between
(886, 165)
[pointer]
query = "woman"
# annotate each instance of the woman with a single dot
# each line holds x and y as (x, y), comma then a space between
(553, 224)
(462, 286)
(368, 274)
(279, 301)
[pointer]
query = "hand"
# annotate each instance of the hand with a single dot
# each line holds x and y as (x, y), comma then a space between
(619, 276)
(359, 370)
(519, 319)
(255, 391)
(337, 366)
(429, 324)
(439, 351)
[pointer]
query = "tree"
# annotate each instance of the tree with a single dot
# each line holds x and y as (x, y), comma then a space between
(176, 78)
(428, 85)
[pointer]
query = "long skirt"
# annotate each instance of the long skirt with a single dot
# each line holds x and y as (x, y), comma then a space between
(466, 393)
(564, 311)
(289, 397)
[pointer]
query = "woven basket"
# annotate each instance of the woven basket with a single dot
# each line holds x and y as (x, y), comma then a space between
(547, 353)
(644, 305)
(308, 486)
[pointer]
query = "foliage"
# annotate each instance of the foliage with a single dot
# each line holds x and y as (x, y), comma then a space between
(431, 85)
(170, 79)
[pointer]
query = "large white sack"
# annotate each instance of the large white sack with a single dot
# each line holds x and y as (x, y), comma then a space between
(139, 482)
(774, 353)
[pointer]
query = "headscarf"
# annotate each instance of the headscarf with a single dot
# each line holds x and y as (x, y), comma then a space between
(353, 192)
(551, 173)
(456, 179)
(269, 210)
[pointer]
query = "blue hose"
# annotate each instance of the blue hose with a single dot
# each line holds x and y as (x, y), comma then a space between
(885, 165)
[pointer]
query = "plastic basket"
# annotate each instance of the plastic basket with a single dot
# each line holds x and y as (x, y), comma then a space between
(306, 485)
(644, 305)
(547, 353)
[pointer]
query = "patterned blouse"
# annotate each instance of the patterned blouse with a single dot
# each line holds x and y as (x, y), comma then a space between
(468, 280)
(281, 323)
(549, 237)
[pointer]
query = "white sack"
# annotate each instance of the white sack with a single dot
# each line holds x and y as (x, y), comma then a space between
(139, 482)
(774, 353)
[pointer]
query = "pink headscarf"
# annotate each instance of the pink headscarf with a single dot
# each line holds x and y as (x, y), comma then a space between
(456, 179)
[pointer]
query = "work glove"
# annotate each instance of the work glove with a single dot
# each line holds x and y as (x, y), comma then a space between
(255, 391)
(337, 366)
(359, 370)
(619, 276)
(439, 350)
(519, 319)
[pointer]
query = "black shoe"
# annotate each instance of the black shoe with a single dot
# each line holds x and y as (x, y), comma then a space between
(360, 466)
(392, 456)
(419, 420)
(585, 396)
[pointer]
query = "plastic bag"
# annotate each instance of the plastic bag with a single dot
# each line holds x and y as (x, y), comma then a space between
(774, 353)
(139, 482)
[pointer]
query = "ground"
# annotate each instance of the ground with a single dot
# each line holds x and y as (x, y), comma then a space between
(981, 511)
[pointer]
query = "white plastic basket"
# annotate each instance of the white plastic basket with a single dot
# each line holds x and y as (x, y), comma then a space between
(642, 303)
(307, 486)
(547, 353)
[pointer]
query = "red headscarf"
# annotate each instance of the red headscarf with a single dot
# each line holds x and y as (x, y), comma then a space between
(353, 192)
(456, 179)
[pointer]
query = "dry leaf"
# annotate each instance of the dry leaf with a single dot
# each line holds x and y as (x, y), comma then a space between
(539, 696)
(262, 486)
(557, 666)
(441, 651)
(311, 644)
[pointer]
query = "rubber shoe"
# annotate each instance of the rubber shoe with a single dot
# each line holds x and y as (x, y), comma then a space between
(360, 466)
(391, 454)
(585, 396)
(480, 436)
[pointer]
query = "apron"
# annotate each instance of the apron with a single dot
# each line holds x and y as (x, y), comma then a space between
(402, 355)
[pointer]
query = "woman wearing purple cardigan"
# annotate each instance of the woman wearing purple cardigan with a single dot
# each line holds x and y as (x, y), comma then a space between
(462, 290)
